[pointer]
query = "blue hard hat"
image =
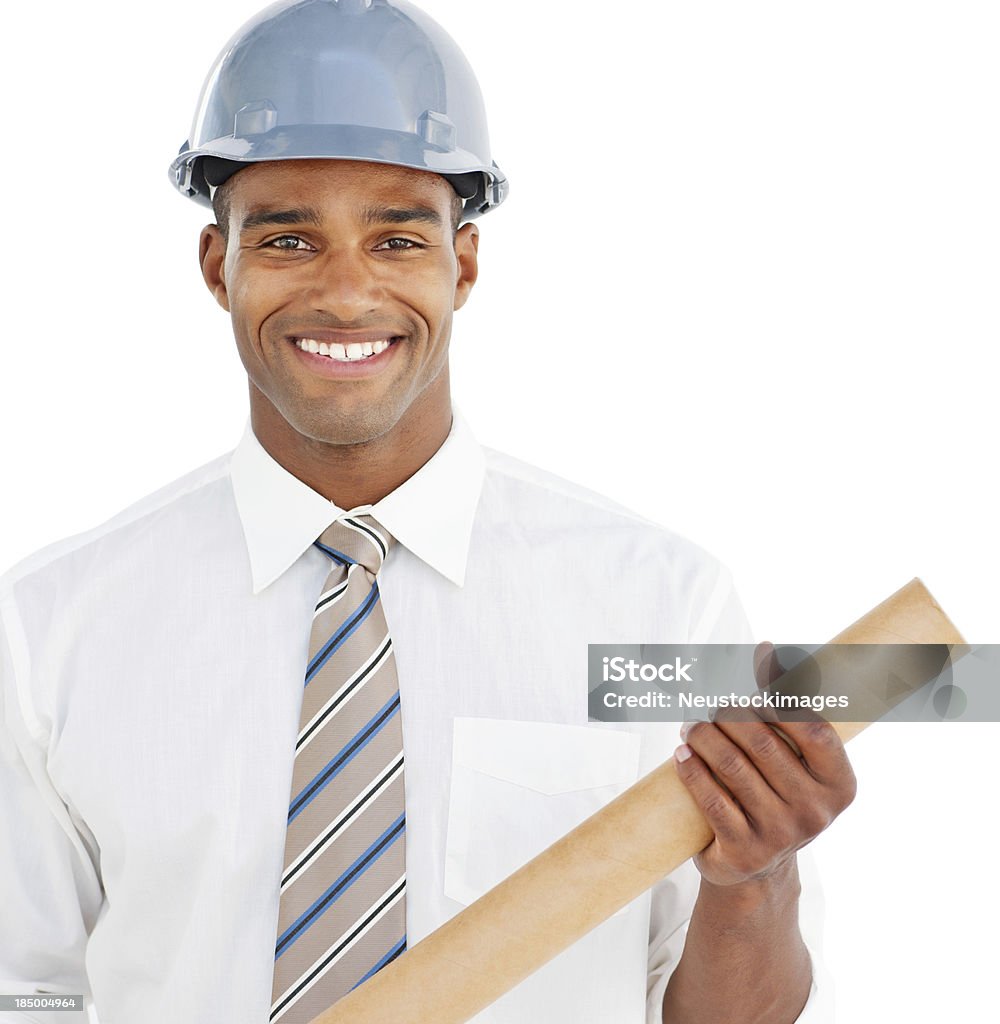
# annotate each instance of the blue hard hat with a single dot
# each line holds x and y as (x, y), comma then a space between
(373, 80)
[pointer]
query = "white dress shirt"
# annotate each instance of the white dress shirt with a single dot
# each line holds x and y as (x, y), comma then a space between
(151, 672)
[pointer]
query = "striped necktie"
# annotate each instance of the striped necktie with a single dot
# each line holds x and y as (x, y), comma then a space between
(342, 911)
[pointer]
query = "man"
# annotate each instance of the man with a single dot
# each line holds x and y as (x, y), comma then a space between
(438, 599)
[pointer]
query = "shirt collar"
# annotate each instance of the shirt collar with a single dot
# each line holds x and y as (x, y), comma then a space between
(431, 513)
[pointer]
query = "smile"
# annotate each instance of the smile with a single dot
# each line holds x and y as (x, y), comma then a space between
(351, 353)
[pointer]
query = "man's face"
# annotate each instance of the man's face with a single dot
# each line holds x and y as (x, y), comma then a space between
(356, 259)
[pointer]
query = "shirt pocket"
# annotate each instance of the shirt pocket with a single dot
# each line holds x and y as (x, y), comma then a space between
(517, 787)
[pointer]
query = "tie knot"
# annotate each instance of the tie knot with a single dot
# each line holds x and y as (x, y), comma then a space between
(356, 539)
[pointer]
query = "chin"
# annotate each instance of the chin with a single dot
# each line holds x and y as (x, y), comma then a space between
(344, 430)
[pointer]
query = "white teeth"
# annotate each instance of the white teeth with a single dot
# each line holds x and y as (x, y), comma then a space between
(345, 353)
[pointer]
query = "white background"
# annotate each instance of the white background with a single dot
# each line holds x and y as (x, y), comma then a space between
(745, 282)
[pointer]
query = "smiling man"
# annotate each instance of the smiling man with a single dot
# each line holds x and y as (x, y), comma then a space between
(341, 278)
(195, 835)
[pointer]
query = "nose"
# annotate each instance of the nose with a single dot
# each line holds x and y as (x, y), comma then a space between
(343, 285)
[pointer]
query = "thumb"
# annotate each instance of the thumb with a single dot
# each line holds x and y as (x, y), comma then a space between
(766, 667)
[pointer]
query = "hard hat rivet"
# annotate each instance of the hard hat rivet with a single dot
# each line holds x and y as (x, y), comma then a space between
(255, 119)
(436, 130)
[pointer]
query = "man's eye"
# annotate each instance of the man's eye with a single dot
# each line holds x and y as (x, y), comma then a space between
(399, 244)
(287, 242)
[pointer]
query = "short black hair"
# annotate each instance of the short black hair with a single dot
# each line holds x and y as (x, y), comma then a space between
(221, 205)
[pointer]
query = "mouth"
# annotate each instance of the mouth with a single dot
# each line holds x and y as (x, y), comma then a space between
(346, 352)
(345, 355)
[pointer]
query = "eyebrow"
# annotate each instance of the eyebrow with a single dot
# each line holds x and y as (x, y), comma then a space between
(260, 217)
(370, 215)
(374, 215)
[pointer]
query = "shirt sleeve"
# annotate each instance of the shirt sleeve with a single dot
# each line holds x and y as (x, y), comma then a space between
(49, 887)
(721, 619)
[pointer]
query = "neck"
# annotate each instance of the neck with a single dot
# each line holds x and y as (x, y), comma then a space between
(361, 473)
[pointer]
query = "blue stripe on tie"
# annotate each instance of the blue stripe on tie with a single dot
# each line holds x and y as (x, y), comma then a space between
(305, 921)
(344, 630)
(400, 947)
(346, 755)
(337, 556)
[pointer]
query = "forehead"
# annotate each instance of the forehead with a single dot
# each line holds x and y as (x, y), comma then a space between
(338, 182)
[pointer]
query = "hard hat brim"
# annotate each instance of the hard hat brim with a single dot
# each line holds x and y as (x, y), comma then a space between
(482, 187)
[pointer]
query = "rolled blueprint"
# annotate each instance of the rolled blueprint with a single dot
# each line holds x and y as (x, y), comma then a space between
(603, 864)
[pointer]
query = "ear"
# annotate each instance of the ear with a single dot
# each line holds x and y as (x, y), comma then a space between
(212, 257)
(467, 254)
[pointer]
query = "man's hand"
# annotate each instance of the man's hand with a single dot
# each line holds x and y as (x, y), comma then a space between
(744, 961)
(761, 799)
